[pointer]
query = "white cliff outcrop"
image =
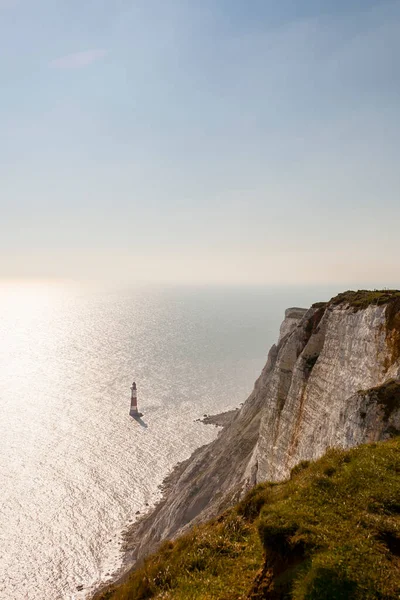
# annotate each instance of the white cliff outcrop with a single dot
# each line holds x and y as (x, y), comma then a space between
(332, 380)
(314, 387)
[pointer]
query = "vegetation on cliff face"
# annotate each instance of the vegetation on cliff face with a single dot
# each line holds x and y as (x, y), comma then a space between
(386, 395)
(363, 298)
(331, 532)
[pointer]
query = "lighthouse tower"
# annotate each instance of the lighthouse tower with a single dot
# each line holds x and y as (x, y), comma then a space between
(134, 409)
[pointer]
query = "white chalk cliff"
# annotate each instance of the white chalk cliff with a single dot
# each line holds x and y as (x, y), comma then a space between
(333, 379)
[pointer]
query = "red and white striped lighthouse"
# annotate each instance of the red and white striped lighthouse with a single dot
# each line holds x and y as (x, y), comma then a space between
(134, 409)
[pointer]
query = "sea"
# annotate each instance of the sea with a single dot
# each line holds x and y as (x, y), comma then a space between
(75, 469)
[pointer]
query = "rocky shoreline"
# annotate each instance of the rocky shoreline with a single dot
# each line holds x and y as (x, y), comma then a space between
(131, 536)
(221, 420)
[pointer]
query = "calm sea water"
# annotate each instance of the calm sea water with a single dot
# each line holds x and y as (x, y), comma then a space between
(74, 467)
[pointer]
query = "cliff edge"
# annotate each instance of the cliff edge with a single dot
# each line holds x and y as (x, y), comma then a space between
(330, 532)
(333, 380)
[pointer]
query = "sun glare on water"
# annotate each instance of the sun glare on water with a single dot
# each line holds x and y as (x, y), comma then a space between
(27, 311)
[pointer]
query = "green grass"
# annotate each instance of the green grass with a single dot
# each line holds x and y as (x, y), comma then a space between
(330, 532)
(333, 530)
(364, 298)
(213, 559)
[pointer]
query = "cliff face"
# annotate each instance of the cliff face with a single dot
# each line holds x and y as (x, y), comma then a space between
(332, 380)
(312, 400)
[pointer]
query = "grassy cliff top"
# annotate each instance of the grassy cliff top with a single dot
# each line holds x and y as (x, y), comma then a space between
(331, 532)
(364, 298)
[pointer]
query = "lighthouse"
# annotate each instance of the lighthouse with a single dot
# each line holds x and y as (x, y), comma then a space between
(134, 409)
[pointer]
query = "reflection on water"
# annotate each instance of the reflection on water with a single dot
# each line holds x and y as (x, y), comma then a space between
(74, 466)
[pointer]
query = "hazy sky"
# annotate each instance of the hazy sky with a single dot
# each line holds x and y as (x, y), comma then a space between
(200, 141)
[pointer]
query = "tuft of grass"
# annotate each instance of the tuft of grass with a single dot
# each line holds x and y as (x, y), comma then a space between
(249, 508)
(330, 532)
(303, 464)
